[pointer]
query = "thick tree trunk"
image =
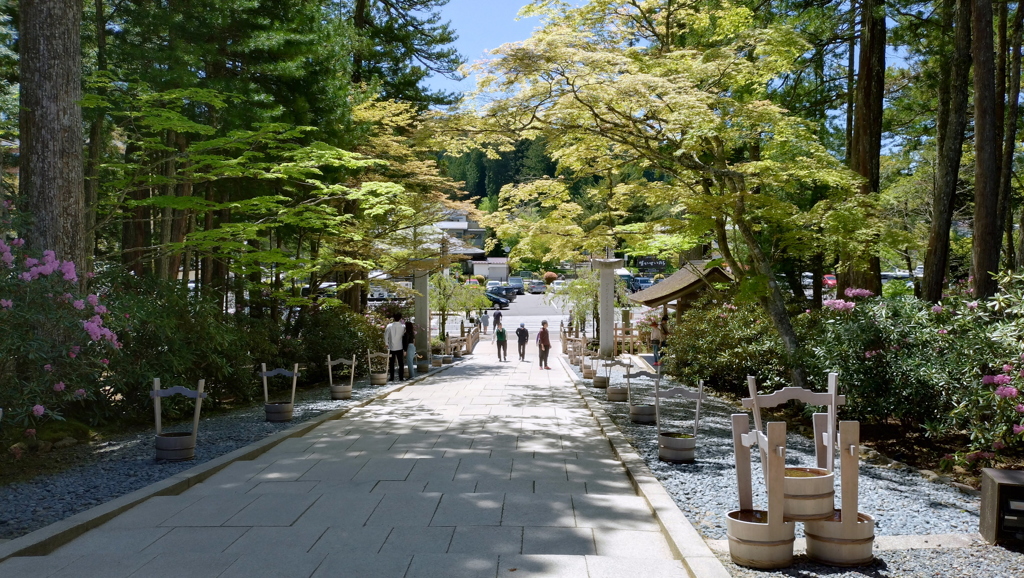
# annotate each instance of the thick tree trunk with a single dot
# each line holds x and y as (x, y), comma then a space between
(1010, 136)
(952, 122)
(51, 175)
(865, 272)
(987, 228)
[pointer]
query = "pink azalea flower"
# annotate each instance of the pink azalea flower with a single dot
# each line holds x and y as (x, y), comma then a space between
(26, 276)
(72, 354)
(99, 309)
(839, 304)
(998, 445)
(78, 304)
(6, 303)
(48, 367)
(1007, 368)
(30, 262)
(943, 332)
(30, 433)
(38, 410)
(80, 393)
(1018, 429)
(93, 300)
(49, 256)
(972, 305)
(18, 242)
(852, 292)
(937, 309)
(105, 361)
(1006, 391)
(59, 386)
(1019, 408)
(126, 316)
(1001, 379)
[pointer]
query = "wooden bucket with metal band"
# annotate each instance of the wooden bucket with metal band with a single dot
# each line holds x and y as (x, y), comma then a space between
(616, 393)
(676, 448)
(755, 544)
(601, 381)
(642, 414)
(175, 446)
(810, 494)
(836, 544)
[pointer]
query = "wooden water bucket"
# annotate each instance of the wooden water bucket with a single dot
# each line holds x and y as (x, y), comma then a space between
(378, 378)
(423, 366)
(588, 373)
(600, 381)
(616, 393)
(447, 359)
(755, 544)
(341, 392)
(435, 361)
(175, 446)
(676, 447)
(278, 411)
(831, 542)
(810, 494)
(642, 414)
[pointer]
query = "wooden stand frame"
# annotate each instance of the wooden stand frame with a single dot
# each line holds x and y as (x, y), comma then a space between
(341, 391)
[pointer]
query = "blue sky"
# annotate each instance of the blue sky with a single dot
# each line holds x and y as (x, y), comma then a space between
(482, 25)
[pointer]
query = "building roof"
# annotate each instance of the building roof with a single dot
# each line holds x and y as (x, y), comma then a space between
(685, 285)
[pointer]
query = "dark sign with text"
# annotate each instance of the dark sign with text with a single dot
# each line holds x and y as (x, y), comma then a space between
(650, 263)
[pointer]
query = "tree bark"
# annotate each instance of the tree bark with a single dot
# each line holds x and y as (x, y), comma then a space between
(50, 125)
(867, 132)
(952, 122)
(987, 229)
(1010, 134)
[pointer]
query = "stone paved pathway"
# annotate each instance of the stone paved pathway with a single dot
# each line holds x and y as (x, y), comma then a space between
(488, 469)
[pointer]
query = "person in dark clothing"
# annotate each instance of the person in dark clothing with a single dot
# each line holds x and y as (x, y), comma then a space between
(501, 336)
(543, 344)
(393, 335)
(409, 340)
(497, 318)
(523, 337)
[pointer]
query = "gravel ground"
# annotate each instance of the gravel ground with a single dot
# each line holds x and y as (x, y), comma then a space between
(123, 464)
(902, 501)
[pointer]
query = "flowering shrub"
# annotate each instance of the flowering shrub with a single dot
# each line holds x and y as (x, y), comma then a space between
(54, 343)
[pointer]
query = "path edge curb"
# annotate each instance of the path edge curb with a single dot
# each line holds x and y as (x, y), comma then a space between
(683, 539)
(47, 539)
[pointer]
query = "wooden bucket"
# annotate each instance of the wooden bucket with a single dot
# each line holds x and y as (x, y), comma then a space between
(341, 392)
(435, 361)
(423, 366)
(755, 544)
(642, 414)
(447, 359)
(616, 393)
(588, 373)
(278, 411)
(600, 381)
(831, 542)
(378, 378)
(175, 446)
(810, 494)
(676, 447)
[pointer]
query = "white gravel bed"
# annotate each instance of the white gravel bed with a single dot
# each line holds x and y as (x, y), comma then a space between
(123, 464)
(902, 501)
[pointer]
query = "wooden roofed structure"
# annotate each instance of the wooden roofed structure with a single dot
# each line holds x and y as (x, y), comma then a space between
(683, 287)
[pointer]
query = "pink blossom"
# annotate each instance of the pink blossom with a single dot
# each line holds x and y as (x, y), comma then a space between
(105, 361)
(68, 268)
(943, 332)
(30, 262)
(80, 393)
(937, 309)
(126, 316)
(1006, 391)
(852, 292)
(99, 309)
(807, 310)
(49, 256)
(1001, 379)
(78, 304)
(38, 410)
(72, 354)
(6, 303)
(998, 445)
(18, 242)
(1018, 429)
(30, 433)
(26, 276)
(988, 379)
(839, 304)
(1007, 368)
(48, 367)
(8, 259)
(93, 300)
(1019, 408)
(59, 386)
(90, 275)
(972, 305)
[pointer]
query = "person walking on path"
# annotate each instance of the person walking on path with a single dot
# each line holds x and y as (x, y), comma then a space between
(656, 338)
(502, 338)
(484, 320)
(663, 336)
(497, 318)
(393, 335)
(409, 339)
(543, 344)
(523, 337)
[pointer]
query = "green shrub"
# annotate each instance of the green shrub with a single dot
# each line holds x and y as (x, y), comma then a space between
(340, 333)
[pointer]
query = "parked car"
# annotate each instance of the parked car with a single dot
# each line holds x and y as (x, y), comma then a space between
(643, 283)
(492, 284)
(517, 282)
(829, 281)
(558, 285)
(507, 291)
(536, 286)
(497, 302)
(473, 282)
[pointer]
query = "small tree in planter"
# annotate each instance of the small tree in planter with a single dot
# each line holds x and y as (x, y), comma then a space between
(444, 295)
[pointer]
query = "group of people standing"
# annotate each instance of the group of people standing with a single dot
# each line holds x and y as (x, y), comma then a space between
(400, 339)
(522, 338)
